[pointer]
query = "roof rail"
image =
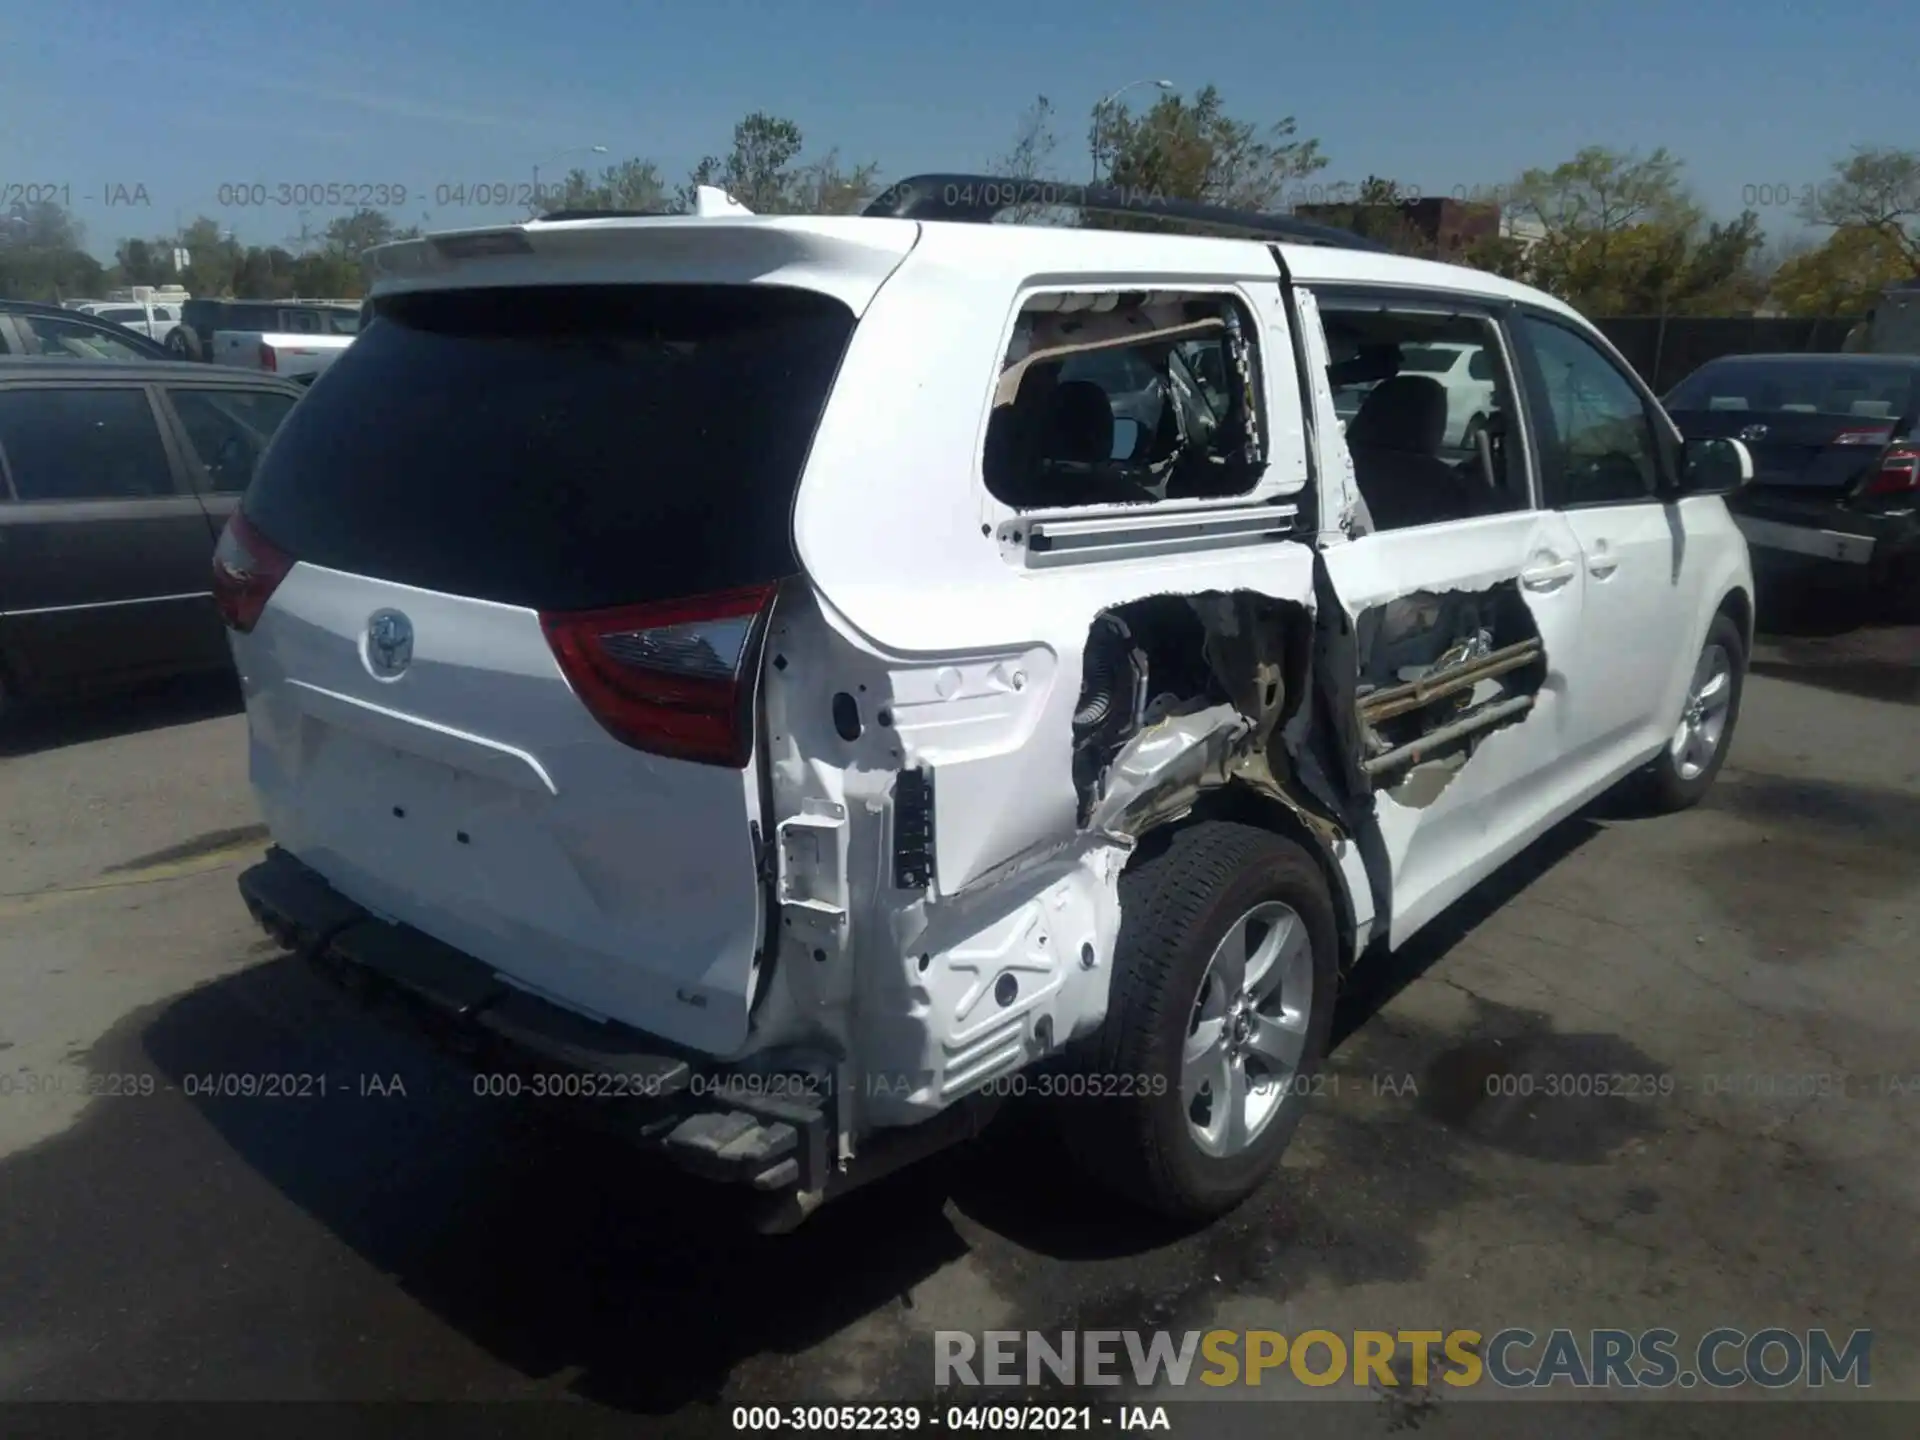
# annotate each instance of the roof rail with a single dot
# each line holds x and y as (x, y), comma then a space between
(981, 199)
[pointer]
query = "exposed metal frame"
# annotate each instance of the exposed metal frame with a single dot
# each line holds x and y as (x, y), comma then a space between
(982, 199)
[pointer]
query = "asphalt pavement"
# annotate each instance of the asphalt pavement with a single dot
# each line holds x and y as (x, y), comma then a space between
(398, 1237)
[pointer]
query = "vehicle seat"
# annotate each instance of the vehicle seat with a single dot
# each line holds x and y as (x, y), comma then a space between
(1395, 438)
(1079, 424)
(1055, 444)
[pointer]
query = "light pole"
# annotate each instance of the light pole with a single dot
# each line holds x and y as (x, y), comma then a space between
(561, 155)
(1100, 113)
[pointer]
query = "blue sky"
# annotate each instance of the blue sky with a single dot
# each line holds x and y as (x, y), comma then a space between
(185, 97)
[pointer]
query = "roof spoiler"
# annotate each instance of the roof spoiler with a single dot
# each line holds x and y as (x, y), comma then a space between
(708, 201)
(982, 199)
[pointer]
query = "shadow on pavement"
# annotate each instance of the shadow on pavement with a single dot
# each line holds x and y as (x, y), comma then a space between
(1875, 662)
(378, 1230)
(156, 706)
(1381, 975)
(571, 1261)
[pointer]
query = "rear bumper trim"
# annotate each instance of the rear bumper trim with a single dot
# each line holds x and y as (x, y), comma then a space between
(707, 1119)
(1807, 540)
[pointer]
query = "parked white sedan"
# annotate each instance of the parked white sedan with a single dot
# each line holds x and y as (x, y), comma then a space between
(1467, 372)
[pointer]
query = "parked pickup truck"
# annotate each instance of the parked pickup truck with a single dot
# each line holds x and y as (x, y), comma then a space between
(144, 317)
(295, 357)
(201, 320)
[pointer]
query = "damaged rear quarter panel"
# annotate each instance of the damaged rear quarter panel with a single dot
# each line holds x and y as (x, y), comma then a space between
(972, 667)
(1005, 955)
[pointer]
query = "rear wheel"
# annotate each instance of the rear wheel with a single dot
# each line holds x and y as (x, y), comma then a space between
(1217, 1022)
(181, 345)
(1686, 769)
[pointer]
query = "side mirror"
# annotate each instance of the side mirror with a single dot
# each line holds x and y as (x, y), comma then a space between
(1714, 467)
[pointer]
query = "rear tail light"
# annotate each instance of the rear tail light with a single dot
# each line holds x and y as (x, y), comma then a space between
(1899, 472)
(268, 360)
(247, 569)
(673, 678)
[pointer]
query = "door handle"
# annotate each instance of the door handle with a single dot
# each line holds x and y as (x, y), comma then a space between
(1550, 576)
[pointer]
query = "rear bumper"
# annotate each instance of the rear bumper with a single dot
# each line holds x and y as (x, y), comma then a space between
(1789, 537)
(768, 1132)
(1812, 542)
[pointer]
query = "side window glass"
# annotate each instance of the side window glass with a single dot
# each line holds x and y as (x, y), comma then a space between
(100, 444)
(1135, 399)
(70, 340)
(228, 430)
(1598, 440)
(1432, 440)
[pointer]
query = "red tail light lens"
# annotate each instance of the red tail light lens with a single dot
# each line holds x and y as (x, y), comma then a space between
(1899, 472)
(247, 569)
(268, 360)
(674, 678)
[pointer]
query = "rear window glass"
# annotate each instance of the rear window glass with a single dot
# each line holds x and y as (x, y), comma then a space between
(1813, 387)
(560, 448)
(1428, 359)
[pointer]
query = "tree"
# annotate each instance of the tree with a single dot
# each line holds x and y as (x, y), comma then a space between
(143, 262)
(631, 185)
(41, 225)
(214, 258)
(328, 273)
(1197, 151)
(353, 235)
(763, 172)
(41, 256)
(1621, 235)
(1844, 276)
(1030, 156)
(1653, 269)
(1603, 191)
(1502, 255)
(265, 273)
(1874, 189)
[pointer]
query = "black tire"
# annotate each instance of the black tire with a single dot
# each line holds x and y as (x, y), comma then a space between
(1667, 787)
(1175, 908)
(182, 343)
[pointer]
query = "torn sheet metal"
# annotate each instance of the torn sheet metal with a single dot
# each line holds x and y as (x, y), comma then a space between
(1343, 511)
(1160, 772)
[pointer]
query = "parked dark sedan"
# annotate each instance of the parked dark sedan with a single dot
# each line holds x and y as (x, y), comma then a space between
(1836, 453)
(115, 481)
(29, 330)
